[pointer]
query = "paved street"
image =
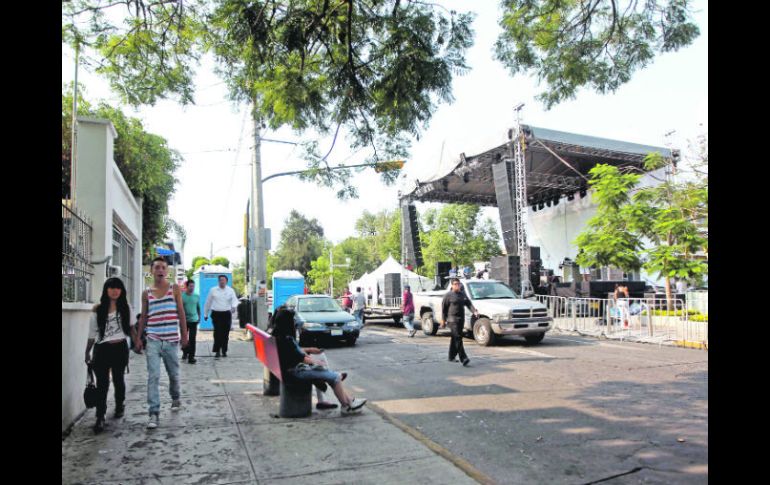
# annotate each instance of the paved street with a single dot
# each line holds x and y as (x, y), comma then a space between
(570, 410)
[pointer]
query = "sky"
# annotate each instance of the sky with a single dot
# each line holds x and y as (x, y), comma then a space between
(665, 104)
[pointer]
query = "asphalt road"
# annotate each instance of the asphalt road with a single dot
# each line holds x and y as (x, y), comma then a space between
(570, 410)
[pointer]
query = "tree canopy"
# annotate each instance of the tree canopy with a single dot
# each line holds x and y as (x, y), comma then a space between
(595, 43)
(301, 243)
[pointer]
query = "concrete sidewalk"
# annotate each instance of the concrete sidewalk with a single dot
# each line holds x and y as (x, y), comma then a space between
(227, 433)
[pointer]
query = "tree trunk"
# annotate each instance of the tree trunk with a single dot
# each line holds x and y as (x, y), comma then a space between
(668, 293)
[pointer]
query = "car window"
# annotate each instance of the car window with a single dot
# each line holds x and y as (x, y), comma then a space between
(318, 305)
(488, 291)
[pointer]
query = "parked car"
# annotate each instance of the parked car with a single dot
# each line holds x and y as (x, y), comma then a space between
(501, 312)
(320, 317)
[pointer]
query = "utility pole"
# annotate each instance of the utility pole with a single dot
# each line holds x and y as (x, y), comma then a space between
(258, 289)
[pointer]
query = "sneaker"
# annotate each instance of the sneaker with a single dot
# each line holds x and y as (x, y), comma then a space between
(153, 422)
(344, 376)
(325, 405)
(119, 412)
(412, 332)
(466, 362)
(176, 405)
(216, 356)
(184, 357)
(99, 426)
(355, 405)
(192, 360)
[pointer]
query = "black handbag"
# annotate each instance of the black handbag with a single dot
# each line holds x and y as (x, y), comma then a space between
(89, 395)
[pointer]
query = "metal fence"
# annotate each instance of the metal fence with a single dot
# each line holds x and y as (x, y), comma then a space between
(76, 269)
(384, 302)
(635, 319)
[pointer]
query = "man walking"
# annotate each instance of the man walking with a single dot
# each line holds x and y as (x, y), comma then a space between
(220, 305)
(192, 311)
(359, 303)
(453, 314)
(163, 314)
(407, 309)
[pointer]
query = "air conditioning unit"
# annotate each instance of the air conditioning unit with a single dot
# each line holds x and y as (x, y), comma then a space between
(113, 271)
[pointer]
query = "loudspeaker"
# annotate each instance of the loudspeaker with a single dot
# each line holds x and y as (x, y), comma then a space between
(507, 270)
(392, 285)
(501, 173)
(534, 253)
(413, 251)
(442, 273)
(535, 265)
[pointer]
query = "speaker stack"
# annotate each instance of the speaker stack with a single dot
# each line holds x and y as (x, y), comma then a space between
(501, 173)
(392, 285)
(506, 269)
(535, 265)
(411, 235)
(442, 273)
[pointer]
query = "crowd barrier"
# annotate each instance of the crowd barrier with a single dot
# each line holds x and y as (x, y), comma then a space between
(633, 319)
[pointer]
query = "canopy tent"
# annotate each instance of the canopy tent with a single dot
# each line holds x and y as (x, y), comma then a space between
(376, 279)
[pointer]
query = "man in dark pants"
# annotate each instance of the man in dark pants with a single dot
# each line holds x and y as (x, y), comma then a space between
(192, 311)
(220, 305)
(453, 314)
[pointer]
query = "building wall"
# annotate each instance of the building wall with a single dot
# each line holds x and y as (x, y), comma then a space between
(74, 334)
(101, 193)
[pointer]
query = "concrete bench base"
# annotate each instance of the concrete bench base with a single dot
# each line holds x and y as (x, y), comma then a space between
(296, 400)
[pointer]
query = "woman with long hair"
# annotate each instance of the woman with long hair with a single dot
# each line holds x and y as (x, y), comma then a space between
(297, 363)
(110, 328)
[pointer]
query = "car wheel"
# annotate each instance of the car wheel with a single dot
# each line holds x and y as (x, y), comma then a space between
(397, 320)
(352, 341)
(482, 332)
(429, 326)
(534, 339)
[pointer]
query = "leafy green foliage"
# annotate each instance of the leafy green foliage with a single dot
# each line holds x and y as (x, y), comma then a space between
(221, 260)
(455, 233)
(144, 159)
(595, 43)
(199, 261)
(301, 243)
(239, 278)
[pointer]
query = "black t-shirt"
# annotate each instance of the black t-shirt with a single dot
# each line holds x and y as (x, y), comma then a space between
(453, 306)
(289, 353)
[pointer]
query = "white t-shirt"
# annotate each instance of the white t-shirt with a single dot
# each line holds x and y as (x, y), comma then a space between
(113, 331)
(359, 301)
(681, 287)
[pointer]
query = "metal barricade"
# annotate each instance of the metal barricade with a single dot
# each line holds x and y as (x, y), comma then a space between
(633, 319)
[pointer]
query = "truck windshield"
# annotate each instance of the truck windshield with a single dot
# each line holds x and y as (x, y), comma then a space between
(489, 291)
(318, 305)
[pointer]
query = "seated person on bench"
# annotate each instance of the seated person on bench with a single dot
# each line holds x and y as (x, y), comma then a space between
(296, 362)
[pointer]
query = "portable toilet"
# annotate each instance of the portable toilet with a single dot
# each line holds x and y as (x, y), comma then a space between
(286, 284)
(206, 278)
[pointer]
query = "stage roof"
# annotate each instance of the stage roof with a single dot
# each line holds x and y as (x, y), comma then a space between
(557, 163)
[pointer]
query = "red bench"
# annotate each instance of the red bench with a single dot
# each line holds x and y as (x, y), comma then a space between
(296, 398)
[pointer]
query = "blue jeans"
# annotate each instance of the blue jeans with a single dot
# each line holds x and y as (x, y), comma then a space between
(157, 350)
(407, 319)
(359, 314)
(326, 375)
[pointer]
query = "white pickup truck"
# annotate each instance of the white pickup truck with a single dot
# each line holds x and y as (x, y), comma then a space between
(501, 312)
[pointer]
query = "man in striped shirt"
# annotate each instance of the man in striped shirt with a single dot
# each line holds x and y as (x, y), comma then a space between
(163, 314)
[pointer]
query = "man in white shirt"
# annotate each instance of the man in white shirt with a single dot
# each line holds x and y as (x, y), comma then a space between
(359, 303)
(220, 305)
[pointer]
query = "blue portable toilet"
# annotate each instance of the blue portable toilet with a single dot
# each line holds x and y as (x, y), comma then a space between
(286, 284)
(206, 278)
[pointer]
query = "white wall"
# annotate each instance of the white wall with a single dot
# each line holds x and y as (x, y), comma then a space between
(74, 334)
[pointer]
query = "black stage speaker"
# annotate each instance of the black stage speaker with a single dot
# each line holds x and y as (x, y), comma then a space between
(392, 285)
(534, 253)
(413, 250)
(442, 273)
(501, 173)
(507, 270)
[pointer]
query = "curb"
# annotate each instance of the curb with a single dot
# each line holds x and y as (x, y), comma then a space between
(460, 463)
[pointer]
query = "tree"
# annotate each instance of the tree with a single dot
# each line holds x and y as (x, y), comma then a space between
(199, 261)
(375, 69)
(318, 276)
(596, 43)
(221, 260)
(301, 243)
(609, 239)
(673, 215)
(455, 233)
(239, 278)
(382, 232)
(144, 159)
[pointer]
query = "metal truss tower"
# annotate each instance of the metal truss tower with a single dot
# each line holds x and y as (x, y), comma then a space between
(520, 201)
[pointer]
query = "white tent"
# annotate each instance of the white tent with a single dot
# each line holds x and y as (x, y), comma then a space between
(376, 279)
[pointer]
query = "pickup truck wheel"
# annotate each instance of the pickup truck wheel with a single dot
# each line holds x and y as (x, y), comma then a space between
(482, 332)
(397, 320)
(534, 339)
(429, 326)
